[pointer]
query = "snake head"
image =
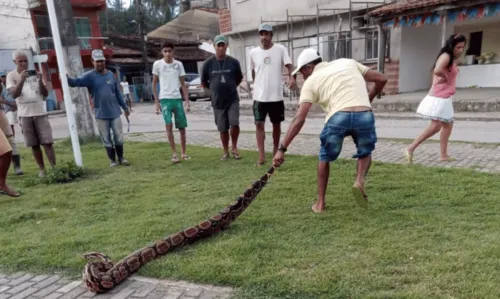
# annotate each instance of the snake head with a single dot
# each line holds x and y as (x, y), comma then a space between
(97, 256)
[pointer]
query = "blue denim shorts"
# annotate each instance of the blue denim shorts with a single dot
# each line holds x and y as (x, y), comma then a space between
(359, 125)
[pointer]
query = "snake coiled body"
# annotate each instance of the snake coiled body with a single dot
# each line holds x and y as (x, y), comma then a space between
(101, 275)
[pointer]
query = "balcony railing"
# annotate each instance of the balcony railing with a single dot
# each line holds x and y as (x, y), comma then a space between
(86, 43)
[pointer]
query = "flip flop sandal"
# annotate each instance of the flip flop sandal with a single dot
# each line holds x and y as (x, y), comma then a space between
(175, 160)
(408, 156)
(186, 157)
(259, 164)
(449, 159)
(236, 156)
(3, 192)
(224, 157)
(314, 207)
(361, 199)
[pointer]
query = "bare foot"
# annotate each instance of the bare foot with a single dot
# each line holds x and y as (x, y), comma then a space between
(6, 190)
(260, 163)
(316, 208)
(447, 159)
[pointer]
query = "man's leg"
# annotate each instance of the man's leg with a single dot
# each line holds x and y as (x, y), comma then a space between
(5, 159)
(330, 149)
(31, 140)
(104, 127)
(222, 123)
(44, 132)
(117, 129)
(181, 124)
(260, 112)
(277, 116)
(234, 122)
(166, 109)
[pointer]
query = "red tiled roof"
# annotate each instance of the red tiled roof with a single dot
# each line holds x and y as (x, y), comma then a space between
(405, 5)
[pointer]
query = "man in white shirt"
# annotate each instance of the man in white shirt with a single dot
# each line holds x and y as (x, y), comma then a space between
(126, 92)
(170, 73)
(267, 63)
(29, 90)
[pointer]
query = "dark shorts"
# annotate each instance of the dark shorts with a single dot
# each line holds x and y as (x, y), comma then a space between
(36, 130)
(229, 117)
(275, 110)
(359, 125)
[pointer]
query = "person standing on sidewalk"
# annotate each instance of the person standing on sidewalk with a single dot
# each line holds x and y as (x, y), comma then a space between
(222, 74)
(107, 101)
(170, 74)
(267, 63)
(339, 87)
(126, 92)
(29, 91)
(8, 115)
(438, 104)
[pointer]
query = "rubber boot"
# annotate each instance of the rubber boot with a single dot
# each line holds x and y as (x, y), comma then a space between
(16, 160)
(119, 153)
(111, 156)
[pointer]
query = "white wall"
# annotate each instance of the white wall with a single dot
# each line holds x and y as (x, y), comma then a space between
(246, 14)
(419, 49)
(17, 31)
(480, 75)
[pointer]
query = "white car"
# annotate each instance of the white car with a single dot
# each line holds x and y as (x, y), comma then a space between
(196, 90)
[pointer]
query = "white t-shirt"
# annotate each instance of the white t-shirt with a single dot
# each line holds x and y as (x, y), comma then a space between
(168, 74)
(268, 67)
(126, 89)
(31, 101)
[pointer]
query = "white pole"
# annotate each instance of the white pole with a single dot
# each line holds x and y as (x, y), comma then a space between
(64, 82)
(444, 29)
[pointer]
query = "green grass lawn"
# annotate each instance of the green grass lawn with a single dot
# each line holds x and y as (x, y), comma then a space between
(430, 232)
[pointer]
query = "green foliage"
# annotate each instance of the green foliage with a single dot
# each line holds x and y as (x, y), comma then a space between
(61, 174)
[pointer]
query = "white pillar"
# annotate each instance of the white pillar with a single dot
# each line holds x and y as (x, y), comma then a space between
(64, 82)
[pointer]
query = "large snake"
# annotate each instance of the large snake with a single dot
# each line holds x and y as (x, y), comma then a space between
(101, 275)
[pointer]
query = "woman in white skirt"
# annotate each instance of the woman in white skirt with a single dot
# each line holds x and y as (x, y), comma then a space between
(438, 104)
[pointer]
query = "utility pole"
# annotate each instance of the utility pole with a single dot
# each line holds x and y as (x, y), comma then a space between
(73, 65)
(143, 37)
(62, 73)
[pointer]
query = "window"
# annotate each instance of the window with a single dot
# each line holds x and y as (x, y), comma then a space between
(371, 44)
(339, 46)
(83, 32)
(371, 49)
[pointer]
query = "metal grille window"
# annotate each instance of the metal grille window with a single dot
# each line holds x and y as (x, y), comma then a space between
(371, 44)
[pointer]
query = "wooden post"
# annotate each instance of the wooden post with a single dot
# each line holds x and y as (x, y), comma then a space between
(74, 67)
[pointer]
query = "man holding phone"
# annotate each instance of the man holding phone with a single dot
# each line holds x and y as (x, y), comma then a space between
(28, 88)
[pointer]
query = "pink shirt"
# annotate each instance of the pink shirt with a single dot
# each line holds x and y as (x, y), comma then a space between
(447, 89)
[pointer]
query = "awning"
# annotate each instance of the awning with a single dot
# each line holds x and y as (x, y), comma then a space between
(453, 15)
(193, 25)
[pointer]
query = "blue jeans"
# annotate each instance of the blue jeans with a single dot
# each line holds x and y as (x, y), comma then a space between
(359, 125)
(106, 126)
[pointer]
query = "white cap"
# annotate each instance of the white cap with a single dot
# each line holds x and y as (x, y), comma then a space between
(307, 56)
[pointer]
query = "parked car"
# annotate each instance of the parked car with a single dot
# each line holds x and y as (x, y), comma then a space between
(190, 77)
(196, 90)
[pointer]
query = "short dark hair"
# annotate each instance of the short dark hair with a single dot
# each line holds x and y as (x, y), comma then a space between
(167, 44)
(317, 61)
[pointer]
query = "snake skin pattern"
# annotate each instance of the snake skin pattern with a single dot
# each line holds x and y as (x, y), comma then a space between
(101, 275)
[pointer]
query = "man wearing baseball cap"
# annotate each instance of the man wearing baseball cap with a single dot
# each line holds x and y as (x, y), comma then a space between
(222, 74)
(339, 87)
(107, 101)
(267, 63)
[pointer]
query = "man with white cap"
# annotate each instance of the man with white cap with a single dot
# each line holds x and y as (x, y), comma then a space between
(267, 63)
(107, 101)
(339, 87)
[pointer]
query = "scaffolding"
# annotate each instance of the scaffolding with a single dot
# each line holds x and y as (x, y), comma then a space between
(336, 30)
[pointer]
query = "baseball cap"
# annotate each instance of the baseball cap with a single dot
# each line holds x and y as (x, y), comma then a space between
(265, 27)
(98, 55)
(3, 74)
(220, 39)
(305, 57)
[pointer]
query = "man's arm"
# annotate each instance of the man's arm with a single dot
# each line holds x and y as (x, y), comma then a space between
(42, 87)
(205, 78)
(16, 89)
(297, 123)
(184, 90)
(239, 73)
(83, 81)
(119, 97)
(155, 89)
(379, 79)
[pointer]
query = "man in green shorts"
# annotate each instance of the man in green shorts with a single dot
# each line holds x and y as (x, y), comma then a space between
(170, 74)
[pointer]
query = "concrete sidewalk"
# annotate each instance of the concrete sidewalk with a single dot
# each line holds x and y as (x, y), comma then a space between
(28, 286)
